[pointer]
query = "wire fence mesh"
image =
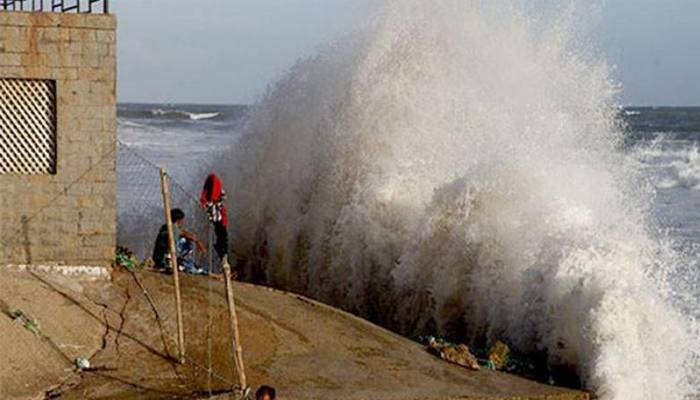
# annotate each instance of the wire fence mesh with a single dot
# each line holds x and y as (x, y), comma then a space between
(140, 212)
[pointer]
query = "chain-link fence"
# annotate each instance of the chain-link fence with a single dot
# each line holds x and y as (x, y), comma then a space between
(140, 212)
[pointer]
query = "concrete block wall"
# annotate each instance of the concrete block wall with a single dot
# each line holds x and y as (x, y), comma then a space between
(68, 218)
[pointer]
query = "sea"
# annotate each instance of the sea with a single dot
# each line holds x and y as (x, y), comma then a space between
(666, 141)
(181, 138)
(189, 140)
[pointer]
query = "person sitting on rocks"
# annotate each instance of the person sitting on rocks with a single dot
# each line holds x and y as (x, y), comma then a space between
(265, 392)
(185, 242)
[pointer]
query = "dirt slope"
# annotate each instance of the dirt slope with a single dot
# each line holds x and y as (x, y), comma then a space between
(305, 349)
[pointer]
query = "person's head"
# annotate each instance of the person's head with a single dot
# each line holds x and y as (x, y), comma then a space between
(265, 393)
(177, 216)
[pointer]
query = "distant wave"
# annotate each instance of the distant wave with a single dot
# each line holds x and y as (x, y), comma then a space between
(631, 113)
(192, 113)
(164, 114)
(179, 114)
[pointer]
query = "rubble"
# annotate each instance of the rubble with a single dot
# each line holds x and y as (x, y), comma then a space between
(456, 354)
(499, 355)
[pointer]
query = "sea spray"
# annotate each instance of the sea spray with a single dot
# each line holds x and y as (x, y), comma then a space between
(455, 168)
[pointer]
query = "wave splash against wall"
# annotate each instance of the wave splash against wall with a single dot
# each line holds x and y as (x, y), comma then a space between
(455, 168)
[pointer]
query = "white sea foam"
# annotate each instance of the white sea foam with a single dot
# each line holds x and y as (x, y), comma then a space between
(197, 117)
(454, 168)
(674, 164)
(189, 115)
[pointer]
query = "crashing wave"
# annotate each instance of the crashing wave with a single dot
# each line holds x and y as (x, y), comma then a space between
(455, 167)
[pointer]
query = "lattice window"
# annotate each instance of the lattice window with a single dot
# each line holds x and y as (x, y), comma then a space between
(27, 126)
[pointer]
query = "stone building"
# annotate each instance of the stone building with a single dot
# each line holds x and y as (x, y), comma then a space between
(57, 135)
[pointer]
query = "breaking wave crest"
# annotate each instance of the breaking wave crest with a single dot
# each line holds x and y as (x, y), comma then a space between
(142, 112)
(179, 114)
(455, 168)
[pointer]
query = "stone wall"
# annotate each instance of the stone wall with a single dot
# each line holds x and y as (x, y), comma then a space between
(66, 218)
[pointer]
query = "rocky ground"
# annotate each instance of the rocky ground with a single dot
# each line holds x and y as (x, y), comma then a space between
(303, 348)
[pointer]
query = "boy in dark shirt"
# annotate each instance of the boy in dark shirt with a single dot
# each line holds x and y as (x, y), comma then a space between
(183, 242)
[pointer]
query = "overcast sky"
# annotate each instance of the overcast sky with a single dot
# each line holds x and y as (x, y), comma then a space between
(228, 51)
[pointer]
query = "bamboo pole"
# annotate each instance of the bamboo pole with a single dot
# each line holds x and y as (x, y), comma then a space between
(233, 319)
(173, 265)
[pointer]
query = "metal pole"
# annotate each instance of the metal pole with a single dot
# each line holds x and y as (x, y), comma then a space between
(173, 265)
(233, 319)
(106, 10)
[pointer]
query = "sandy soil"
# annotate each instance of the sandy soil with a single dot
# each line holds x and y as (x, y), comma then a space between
(303, 348)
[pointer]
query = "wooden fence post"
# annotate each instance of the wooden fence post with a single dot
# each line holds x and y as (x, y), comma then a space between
(173, 265)
(233, 319)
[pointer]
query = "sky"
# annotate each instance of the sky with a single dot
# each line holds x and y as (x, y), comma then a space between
(229, 51)
(655, 46)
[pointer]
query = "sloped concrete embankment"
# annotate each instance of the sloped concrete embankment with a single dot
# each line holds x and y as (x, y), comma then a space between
(305, 349)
